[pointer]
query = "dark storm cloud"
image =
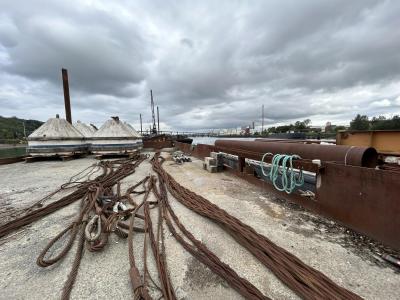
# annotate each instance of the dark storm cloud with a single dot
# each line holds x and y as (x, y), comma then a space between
(210, 64)
(103, 54)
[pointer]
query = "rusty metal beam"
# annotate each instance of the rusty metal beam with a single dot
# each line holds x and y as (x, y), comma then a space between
(386, 142)
(356, 156)
(11, 160)
(67, 101)
(363, 199)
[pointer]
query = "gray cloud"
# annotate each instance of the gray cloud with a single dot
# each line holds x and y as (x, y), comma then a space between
(210, 64)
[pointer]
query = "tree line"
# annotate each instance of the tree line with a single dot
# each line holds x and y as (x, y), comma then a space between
(297, 126)
(362, 122)
(13, 128)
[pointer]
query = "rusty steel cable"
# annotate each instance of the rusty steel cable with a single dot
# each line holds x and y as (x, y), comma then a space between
(201, 252)
(97, 199)
(166, 286)
(112, 173)
(197, 249)
(103, 211)
(304, 280)
(66, 292)
(72, 183)
(139, 288)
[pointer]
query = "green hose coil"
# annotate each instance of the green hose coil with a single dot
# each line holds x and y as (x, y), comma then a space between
(282, 165)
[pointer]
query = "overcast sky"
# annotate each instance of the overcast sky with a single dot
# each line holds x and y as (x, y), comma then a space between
(211, 64)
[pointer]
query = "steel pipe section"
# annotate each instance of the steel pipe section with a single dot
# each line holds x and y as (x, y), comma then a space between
(232, 161)
(348, 155)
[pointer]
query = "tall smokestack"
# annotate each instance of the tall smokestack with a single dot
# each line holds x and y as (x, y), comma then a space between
(67, 101)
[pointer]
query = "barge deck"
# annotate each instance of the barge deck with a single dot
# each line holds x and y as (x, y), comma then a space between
(318, 242)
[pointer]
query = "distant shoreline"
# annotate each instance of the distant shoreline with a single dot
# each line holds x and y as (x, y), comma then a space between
(3, 146)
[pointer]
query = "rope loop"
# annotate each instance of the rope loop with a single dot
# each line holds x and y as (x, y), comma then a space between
(93, 224)
(282, 166)
(43, 262)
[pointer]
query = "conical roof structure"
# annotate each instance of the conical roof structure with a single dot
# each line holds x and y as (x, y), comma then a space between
(55, 128)
(86, 130)
(133, 130)
(113, 128)
(56, 137)
(114, 137)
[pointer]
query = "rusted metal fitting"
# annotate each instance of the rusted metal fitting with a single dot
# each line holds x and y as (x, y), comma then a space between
(104, 200)
(90, 226)
(136, 280)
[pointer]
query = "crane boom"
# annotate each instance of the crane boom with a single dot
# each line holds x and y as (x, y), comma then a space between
(154, 129)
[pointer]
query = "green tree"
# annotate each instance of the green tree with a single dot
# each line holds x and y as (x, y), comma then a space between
(299, 125)
(284, 128)
(340, 127)
(360, 122)
(13, 128)
(381, 123)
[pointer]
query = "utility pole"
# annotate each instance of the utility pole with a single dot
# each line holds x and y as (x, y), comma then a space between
(23, 124)
(262, 117)
(141, 131)
(67, 101)
(158, 119)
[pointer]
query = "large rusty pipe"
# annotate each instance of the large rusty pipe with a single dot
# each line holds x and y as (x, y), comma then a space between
(67, 101)
(354, 156)
(269, 140)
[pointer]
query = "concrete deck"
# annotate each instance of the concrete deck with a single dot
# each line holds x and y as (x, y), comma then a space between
(104, 275)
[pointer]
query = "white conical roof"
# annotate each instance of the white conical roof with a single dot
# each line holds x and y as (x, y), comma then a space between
(133, 130)
(113, 128)
(86, 130)
(56, 128)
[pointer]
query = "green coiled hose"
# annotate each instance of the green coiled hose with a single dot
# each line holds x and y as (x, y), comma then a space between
(282, 165)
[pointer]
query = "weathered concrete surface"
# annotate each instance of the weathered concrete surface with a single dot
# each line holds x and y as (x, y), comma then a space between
(86, 130)
(56, 128)
(114, 128)
(104, 275)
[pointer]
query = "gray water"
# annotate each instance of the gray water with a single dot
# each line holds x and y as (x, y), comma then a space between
(211, 140)
(12, 152)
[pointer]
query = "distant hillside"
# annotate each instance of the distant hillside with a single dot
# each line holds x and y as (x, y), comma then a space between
(13, 128)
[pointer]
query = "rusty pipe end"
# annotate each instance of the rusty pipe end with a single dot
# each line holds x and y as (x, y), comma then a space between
(370, 158)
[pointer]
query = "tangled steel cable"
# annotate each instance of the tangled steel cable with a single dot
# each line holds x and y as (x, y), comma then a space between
(99, 204)
(304, 280)
(104, 209)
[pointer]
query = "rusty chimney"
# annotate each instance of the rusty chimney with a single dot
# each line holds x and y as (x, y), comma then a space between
(67, 101)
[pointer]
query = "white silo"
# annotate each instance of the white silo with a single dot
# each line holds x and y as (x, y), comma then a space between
(86, 130)
(56, 137)
(115, 137)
